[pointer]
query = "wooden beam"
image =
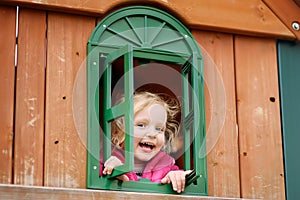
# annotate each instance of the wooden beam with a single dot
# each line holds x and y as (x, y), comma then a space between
(297, 2)
(30, 92)
(222, 139)
(34, 192)
(259, 124)
(65, 144)
(288, 12)
(7, 84)
(251, 17)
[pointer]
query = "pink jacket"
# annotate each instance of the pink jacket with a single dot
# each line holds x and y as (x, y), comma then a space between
(155, 170)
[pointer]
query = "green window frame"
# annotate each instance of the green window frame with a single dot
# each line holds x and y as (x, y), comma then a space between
(145, 33)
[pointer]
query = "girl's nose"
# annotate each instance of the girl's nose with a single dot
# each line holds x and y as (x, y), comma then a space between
(151, 133)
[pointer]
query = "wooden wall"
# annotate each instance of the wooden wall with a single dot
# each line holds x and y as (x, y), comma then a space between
(40, 144)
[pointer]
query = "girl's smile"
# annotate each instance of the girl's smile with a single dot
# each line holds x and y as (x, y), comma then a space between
(155, 125)
(149, 128)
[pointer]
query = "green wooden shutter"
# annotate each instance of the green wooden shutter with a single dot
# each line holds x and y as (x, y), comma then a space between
(193, 116)
(124, 109)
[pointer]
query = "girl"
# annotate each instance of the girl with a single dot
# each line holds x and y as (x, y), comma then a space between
(155, 126)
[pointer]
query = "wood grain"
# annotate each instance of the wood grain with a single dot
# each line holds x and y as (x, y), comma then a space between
(19, 192)
(261, 159)
(7, 84)
(243, 17)
(288, 12)
(222, 140)
(65, 150)
(30, 90)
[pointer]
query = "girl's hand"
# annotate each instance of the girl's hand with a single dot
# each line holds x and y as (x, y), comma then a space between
(177, 178)
(109, 166)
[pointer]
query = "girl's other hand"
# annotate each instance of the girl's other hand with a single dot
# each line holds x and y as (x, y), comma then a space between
(177, 178)
(110, 164)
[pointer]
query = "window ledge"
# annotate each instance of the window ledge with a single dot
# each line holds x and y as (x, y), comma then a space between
(37, 192)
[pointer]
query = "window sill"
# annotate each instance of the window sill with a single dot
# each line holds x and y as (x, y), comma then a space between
(37, 192)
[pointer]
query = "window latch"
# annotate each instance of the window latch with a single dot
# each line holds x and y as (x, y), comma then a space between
(191, 177)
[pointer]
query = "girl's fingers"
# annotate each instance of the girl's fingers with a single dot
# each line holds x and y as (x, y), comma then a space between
(110, 164)
(177, 178)
(107, 170)
(165, 180)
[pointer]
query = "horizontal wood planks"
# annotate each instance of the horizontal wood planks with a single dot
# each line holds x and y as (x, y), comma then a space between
(251, 17)
(14, 192)
(30, 90)
(261, 158)
(7, 85)
(65, 150)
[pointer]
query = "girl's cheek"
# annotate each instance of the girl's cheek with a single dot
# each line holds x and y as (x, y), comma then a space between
(161, 139)
(137, 132)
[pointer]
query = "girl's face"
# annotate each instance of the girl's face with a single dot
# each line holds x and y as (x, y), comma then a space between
(149, 129)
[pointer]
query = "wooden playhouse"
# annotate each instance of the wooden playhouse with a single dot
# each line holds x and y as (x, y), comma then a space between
(250, 55)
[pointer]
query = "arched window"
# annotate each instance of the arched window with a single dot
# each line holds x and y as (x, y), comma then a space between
(138, 48)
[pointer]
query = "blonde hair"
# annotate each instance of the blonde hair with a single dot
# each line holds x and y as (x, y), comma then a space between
(141, 101)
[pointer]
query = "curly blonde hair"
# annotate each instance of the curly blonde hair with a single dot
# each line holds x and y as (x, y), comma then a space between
(141, 101)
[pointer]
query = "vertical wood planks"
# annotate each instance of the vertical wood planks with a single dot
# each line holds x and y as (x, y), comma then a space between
(7, 84)
(222, 140)
(29, 121)
(65, 150)
(62, 161)
(261, 160)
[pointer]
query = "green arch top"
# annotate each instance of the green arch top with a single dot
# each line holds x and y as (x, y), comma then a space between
(144, 28)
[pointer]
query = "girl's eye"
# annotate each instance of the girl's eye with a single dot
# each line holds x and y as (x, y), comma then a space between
(160, 129)
(140, 125)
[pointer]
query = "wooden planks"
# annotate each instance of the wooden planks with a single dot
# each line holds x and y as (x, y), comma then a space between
(261, 160)
(29, 122)
(251, 17)
(65, 153)
(19, 192)
(63, 163)
(7, 84)
(288, 12)
(297, 2)
(222, 140)
(243, 17)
